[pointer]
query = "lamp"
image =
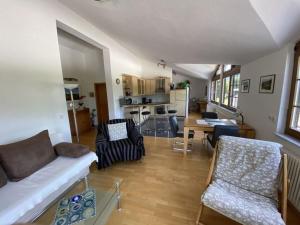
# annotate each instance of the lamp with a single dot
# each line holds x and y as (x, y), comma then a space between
(239, 113)
(71, 87)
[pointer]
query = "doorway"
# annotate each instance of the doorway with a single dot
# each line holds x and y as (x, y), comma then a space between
(101, 102)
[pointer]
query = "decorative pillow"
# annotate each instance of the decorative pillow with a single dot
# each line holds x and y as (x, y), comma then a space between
(23, 158)
(3, 177)
(117, 131)
(71, 150)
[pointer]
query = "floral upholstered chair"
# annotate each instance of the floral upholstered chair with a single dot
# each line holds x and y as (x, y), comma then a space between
(243, 182)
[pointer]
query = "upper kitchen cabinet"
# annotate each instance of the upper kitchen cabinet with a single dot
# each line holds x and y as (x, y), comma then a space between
(150, 87)
(130, 85)
(134, 86)
(141, 86)
(162, 85)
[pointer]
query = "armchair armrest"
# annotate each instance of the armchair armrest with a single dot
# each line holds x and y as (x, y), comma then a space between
(135, 137)
(101, 147)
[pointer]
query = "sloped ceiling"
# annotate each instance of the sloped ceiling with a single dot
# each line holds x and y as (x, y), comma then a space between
(195, 31)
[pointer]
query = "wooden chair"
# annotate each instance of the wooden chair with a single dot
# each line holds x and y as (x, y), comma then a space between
(225, 144)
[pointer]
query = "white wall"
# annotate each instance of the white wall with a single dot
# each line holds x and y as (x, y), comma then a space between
(259, 109)
(31, 81)
(197, 89)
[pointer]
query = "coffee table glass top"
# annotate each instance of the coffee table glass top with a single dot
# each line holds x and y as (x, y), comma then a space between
(107, 192)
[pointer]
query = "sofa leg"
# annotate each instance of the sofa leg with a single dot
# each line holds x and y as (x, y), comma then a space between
(86, 183)
(199, 215)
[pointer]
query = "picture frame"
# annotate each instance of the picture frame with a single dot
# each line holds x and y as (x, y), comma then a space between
(245, 86)
(267, 84)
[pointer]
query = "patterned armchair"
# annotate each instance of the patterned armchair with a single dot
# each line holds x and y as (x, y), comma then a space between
(243, 182)
(128, 149)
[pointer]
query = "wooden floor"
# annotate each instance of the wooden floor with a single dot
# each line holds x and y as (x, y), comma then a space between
(164, 188)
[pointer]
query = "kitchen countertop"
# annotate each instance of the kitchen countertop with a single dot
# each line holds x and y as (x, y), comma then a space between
(147, 104)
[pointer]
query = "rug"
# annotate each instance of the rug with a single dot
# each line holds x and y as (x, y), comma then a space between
(76, 208)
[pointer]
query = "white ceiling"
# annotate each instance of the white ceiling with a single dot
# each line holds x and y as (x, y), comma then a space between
(202, 71)
(195, 31)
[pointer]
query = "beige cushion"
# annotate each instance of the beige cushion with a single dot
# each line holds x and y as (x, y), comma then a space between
(23, 158)
(3, 177)
(71, 150)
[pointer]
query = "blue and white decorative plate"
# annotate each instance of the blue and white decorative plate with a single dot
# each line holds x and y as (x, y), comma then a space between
(77, 208)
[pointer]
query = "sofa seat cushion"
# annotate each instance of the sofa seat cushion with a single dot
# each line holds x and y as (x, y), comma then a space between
(23, 158)
(241, 205)
(3, 177)
(17, 198)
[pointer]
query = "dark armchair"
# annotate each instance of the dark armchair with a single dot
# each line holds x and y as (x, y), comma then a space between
(128, 149)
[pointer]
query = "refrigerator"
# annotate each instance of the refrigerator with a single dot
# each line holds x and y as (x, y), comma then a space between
(179, 99)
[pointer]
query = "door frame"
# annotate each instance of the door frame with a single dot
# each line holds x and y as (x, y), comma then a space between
(96, 97)
(106, 61)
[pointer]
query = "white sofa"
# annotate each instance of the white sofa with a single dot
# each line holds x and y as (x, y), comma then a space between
(23, 201)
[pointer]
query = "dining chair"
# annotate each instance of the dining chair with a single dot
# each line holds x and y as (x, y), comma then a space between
(209, 115)
(220, 130)
(243, 182)
(178, 135)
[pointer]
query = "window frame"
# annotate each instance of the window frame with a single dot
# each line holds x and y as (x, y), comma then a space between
(288, 130)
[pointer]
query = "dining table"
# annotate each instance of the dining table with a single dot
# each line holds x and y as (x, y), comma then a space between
(207, 125)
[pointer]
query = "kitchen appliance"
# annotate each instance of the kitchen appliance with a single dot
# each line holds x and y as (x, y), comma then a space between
(179, 99)
(144, 100)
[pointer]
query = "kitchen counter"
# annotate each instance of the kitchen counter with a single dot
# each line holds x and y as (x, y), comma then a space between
(147, 104)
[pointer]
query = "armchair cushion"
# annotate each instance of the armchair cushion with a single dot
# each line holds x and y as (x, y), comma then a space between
(241, 205)
(249, 164)
(117, 131)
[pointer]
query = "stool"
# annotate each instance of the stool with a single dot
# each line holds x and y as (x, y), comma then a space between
(172, 111)
(163, 121)
(146, 115)
(133, 113)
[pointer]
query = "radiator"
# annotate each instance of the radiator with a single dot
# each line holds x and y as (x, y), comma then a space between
(294, 177)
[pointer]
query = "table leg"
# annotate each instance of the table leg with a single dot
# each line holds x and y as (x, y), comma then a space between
(186, 139)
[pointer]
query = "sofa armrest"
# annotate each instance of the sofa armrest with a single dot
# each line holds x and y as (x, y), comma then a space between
(135, 137)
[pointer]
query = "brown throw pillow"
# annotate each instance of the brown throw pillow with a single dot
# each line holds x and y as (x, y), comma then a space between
(71, 150)
(3, 177)
(23, 158)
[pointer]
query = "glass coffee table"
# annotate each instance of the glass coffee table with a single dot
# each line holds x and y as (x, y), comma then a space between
(108, 197)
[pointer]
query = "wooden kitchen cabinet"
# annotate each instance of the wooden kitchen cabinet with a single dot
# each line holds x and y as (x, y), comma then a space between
(149, 87)
(162, 85)
(141, 86)
(134, 86)
(130, 85)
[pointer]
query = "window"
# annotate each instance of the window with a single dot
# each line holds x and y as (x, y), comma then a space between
(293, 120)
(234, 90)
(225, 94)
(218, 90)
(227, 68)
(231, 86)
(212, 91)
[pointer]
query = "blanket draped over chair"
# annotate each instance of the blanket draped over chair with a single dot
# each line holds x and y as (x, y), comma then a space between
(245, 180)
(128, 149)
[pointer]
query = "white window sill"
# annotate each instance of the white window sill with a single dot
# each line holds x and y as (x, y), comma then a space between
(287, 138)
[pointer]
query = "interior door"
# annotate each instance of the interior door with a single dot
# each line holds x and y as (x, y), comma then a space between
(101, 102)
